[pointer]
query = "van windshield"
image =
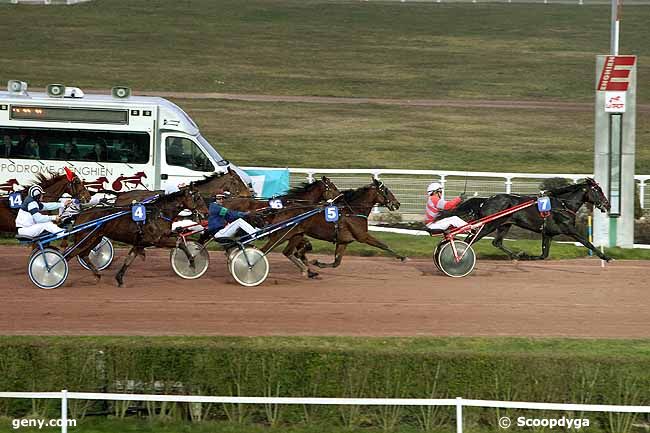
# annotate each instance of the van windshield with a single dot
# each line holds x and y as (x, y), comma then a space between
(211, 151)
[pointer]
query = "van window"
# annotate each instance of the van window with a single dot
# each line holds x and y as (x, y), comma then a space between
(183, 152)
(75, 145)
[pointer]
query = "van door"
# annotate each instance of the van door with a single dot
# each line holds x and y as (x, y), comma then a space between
(183, 161)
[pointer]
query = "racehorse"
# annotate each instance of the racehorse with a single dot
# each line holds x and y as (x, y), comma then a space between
(228, 180)
(565, 202)
(54, 186)
(298, 199)
(156, 231)
(306, 193)
(352, 225)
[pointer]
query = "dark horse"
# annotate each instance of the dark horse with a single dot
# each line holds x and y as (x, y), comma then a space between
(54, 186)
(156, 231)
(355, 206)
(228, 180)
(565, 202)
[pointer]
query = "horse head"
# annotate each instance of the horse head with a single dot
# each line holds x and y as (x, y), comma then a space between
(76, 188)
(330, 191)
(193, 200)
(227, 181)
(384, 195)
(595, 195)
(56, 185)
(237, 186)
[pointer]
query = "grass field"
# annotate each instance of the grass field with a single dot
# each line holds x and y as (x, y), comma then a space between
(316, 47)
(352, 49)
(375, 136)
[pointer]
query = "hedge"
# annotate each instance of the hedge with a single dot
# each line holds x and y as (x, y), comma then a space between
(419, 368)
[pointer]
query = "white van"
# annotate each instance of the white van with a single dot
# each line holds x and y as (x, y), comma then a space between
(117, 142)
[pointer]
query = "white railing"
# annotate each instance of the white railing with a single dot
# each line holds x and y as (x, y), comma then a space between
(409, 186)
(458, 402)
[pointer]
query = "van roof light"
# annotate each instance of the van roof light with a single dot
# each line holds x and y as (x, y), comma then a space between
(74, 92)
(17, 87)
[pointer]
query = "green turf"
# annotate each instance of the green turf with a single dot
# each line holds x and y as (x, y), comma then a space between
(373, 136)
(632, 349)
(348, 48)
(318, 47)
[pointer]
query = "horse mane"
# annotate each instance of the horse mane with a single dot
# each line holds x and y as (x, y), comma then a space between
(164, 198)
(352, 194)
(209, 178)
(297, 191)
(566, 189)
(47, 181)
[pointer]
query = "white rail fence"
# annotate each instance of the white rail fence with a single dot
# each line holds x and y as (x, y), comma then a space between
(458, 402)
(409, 186)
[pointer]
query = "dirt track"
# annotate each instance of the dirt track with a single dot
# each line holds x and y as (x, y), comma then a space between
(365, 296)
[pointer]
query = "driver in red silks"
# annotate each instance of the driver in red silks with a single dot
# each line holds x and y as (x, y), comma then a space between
(435, 204)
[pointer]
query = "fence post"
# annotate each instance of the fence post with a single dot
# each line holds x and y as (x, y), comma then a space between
(459, 415)
(642, 193)
(442, 182)
(64, 411)
(310, 177)
(508, 185)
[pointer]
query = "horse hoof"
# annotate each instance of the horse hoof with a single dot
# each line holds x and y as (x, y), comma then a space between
(312, 274)
(404, 259)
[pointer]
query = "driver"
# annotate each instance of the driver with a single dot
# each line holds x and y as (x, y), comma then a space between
(30, 221)
(435, 204)
(224, 222)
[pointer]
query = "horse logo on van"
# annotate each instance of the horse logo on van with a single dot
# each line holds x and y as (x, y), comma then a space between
(131, 182)
(97, 184)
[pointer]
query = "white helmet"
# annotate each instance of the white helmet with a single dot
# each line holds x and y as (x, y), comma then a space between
(34, 190)
(433, 187)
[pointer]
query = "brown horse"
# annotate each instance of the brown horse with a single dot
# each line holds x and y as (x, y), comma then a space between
(306, 193)
(156, 231)
(298, 198)
(355, 206)
(54, 186)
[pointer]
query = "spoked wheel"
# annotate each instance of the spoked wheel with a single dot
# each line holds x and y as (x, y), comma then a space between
(249, 266)
(436, 253)
(181, 263)
(47, 268)
(101, 256)
(447, 262)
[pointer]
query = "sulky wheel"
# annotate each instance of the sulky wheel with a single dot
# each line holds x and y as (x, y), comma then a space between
(448, 264)
(182, 265)
(230, 253)
(249, 266)
(436, 253)
(47, 268)
(101, 256)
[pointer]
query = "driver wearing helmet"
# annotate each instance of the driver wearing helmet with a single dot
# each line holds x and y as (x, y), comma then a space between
(435, 204)
(30, 221)
(224, 222)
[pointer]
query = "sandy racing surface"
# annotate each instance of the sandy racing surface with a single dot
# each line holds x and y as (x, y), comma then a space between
(365, 296)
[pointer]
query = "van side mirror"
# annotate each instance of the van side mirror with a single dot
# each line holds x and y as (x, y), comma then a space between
(223, 163)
